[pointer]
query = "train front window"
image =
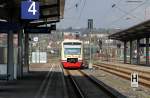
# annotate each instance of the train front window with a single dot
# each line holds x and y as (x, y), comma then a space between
(72, 51)
(72, 43)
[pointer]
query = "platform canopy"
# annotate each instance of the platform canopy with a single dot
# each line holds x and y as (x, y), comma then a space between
(138, 31)
(51, 11)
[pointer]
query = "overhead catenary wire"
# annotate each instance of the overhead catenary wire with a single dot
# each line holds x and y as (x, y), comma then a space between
(109, 10)
(70, 4)
(81, 11)
(77, 17)
(105, 15)
(128, 13)
(73, 5)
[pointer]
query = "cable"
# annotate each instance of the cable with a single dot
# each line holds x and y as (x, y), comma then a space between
(109, 10)
(67, 2)
(82, 8)
(70, 4)
(75, 5)
(80, 14)
(127, 13)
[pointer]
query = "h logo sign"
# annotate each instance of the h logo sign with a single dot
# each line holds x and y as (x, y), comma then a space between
(134, 80)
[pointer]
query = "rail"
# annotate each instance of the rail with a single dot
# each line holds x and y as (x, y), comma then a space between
(106, 89)
(125, 73)
(77, 89)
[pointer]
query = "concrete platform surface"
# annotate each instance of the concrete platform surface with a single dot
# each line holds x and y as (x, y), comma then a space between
(44, 81)
(121, 85)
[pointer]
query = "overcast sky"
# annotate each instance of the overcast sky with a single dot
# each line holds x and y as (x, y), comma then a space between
(119, 14)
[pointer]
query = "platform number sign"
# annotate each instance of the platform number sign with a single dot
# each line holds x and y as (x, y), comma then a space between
(134, 80)
(29, 10)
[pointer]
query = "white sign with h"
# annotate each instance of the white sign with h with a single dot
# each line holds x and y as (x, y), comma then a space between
(134, 79)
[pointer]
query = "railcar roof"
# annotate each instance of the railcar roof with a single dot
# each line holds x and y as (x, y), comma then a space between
(71, 40)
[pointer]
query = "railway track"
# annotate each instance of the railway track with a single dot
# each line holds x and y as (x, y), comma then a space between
(83, 85)
(125, 73)
(75, 87)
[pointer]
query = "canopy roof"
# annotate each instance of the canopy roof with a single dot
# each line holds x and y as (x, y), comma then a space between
(51, 11)
(138, 31)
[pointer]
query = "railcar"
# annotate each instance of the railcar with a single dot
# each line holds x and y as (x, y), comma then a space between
(72, 53)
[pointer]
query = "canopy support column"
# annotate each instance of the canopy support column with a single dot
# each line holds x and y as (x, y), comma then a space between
(138, 51)
(20, 55)
(125, 52)
(131, 51)
(26, 53)
(147, 51)
(10, 56)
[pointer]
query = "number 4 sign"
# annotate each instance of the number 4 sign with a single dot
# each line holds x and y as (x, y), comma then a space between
(29, 10)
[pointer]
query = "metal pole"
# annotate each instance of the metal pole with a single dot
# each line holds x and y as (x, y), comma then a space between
(27, 51)
(39, 51)
(131, 50)
(90, 27)
(138, 51)
(20, 54)
(90, 64)
(147, 50)
(125, 52)
(10, 55)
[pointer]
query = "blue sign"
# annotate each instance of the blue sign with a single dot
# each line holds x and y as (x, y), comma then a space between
(30, 10)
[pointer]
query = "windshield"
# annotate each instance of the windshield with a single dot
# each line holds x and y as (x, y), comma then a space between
(72, 51)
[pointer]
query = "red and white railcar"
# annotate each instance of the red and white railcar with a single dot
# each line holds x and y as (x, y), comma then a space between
(72, 53)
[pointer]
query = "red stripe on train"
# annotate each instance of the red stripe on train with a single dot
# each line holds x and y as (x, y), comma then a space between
(72, 65)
